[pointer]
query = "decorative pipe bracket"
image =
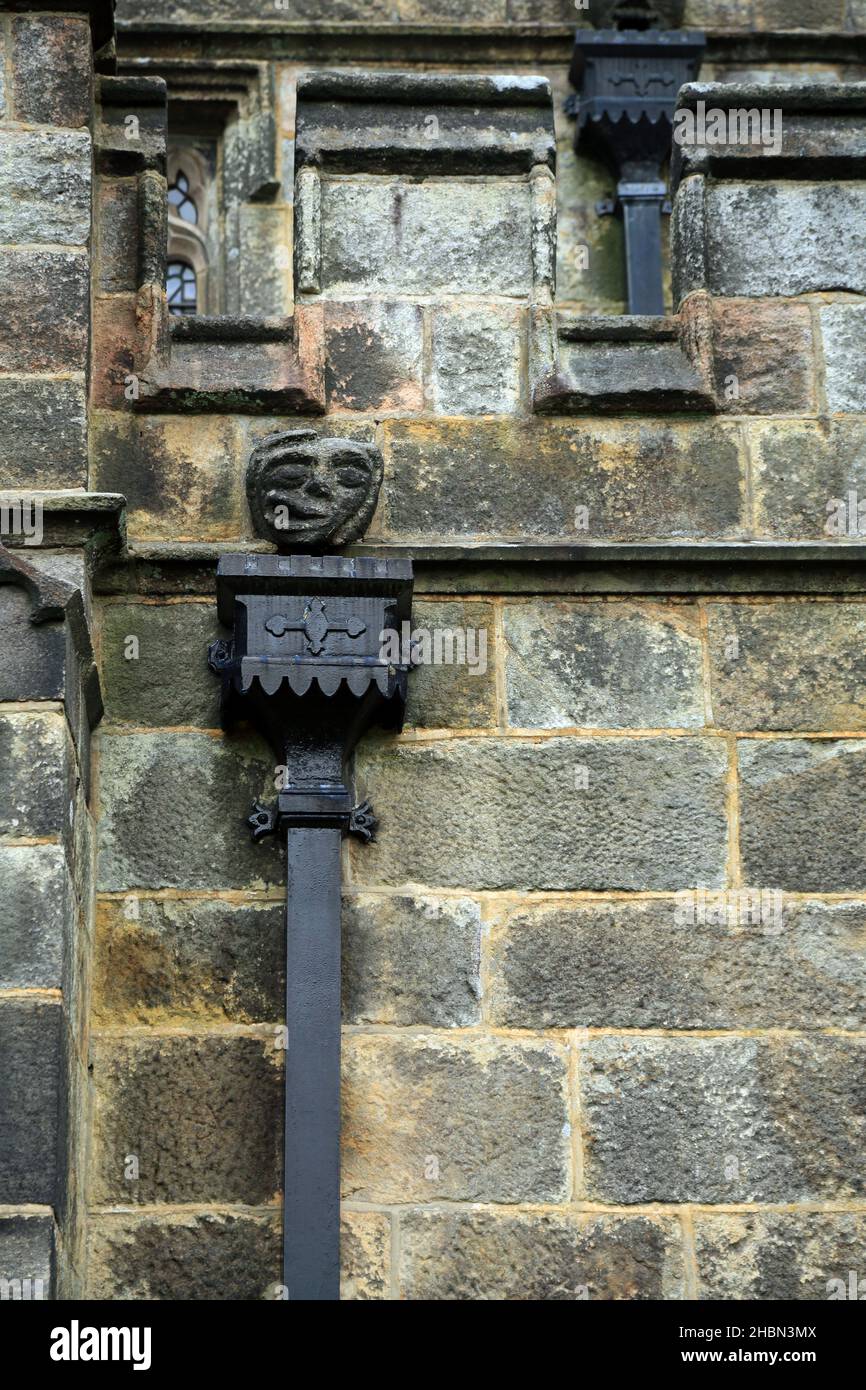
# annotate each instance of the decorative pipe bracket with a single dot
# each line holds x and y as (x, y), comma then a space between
(305, 667)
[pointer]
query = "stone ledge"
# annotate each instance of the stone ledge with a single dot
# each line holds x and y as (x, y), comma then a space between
(628, 363)
(240, 364)
(823, 133)
(375, 121)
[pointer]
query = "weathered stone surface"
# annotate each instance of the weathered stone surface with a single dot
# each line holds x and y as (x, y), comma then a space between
(27, 1254)
(34, 891)
(51, 69)
(43, 433)
(802, 814)
(170, 637)
(265, 261)
(788, 665)
(426, 1119)
(45, 186)
(413, 961)
(615, 375)
(192, 960)
(456, 693)
(843, 332)
(779, 1255)
(397, 236)
(768, 15)
(118, 231)
(44, 299)
(801, 238)
(572, 482)
(603, 666)
(722, 1119)
(373, 356)
(804, 475)
(560, 813)
(31, 1048)
(201, 1114)
(208, 1256)
(680, 963)
(538, 1256)
(33, 774)
(181, 479)
(365, 1255)
(174, 810)
(762, 357)
(34, 665)
(476, 356)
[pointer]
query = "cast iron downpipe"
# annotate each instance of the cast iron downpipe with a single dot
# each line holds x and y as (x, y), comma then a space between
(627, 82)
(304, 666)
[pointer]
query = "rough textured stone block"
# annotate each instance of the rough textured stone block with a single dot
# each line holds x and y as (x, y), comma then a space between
(34, 774)
(45, 186)
(44, 297)
(170, 637)
(801, 238)
(51, 69)
(788, 665)
(538, 1256)
(34, 664)
(576, 482)
(213, 1257)
(174, 810)
(31, 1048)
(764, 15)
(425, 1119)
(395, 236)
(766, 347)
(843, 331)
(27, 1255)
(412, 961)
(373, 356)
(678, 964)
(34, 888)
(603, 666)
(365, 1255)
(802, 814)
(456, 693)
(265, 261)
(43, 433)
(181, 478)
(804, 474)
(201, 1115)
(190, 960)
(118, 234)
(779, 1255)
(722, 1119)
(477, 350)
(563, 813)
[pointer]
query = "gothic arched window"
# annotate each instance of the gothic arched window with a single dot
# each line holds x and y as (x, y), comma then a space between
(190, 195)
(181, 288)
(180, 200)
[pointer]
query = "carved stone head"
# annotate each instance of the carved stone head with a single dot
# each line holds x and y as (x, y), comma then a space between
(307, 492)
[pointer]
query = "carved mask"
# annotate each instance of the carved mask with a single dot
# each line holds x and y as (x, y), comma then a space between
(308, 492)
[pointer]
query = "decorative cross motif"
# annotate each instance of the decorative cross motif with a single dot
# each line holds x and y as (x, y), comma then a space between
(315, 626)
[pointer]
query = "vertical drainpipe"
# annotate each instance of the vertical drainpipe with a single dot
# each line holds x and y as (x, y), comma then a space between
(627, 83)
(305, 666)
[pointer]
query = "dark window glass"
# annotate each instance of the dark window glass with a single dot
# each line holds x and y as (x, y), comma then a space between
(179, 199)
(180, 288)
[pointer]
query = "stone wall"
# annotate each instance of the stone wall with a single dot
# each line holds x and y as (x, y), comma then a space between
(603, 979)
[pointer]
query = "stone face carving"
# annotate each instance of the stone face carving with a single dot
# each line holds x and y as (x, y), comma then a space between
(307, 492)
